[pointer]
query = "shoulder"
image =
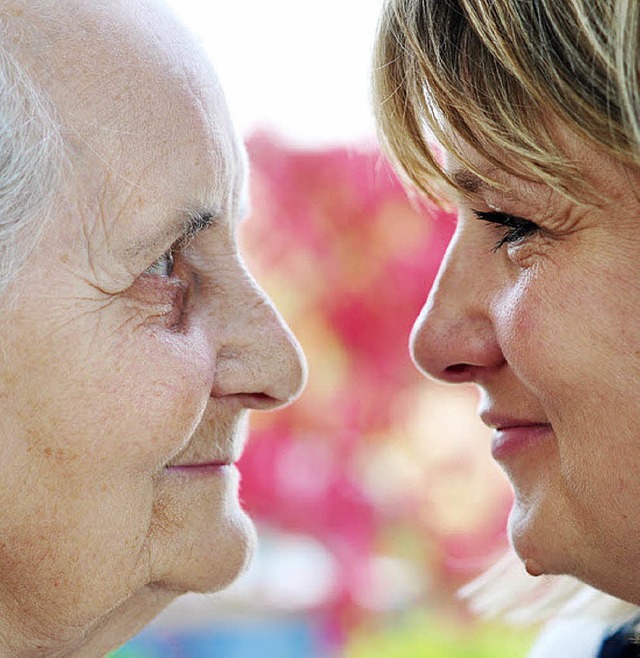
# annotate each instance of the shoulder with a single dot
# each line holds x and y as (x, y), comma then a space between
(623, 643)
(572, 638)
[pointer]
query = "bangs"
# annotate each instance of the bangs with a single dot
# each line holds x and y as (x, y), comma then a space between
(501, 76)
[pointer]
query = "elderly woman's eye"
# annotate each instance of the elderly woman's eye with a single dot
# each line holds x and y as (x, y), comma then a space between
(163, 267)
(515, 229)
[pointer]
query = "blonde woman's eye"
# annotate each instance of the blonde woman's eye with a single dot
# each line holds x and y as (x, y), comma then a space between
(514, 229)
(163, 267)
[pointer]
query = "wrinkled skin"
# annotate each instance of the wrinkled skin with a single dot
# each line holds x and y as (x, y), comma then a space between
(118, 367)
(547, 328)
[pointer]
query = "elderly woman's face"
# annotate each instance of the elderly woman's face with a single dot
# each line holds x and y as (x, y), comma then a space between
(135, 344)
(537, 302)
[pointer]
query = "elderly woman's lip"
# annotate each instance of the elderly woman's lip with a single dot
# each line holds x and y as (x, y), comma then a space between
(509, 440)
(213, 466)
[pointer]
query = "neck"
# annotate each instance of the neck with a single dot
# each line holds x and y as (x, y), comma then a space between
(105, 635)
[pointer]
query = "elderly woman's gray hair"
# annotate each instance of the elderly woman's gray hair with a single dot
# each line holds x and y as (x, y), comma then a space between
(31, 162)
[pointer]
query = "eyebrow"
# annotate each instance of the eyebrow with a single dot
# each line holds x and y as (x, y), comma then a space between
(468, 181)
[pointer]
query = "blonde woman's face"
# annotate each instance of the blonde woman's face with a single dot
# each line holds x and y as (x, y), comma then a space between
(129, 358)
(538, 303)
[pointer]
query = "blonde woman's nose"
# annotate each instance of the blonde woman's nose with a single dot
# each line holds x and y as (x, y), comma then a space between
(453, 338)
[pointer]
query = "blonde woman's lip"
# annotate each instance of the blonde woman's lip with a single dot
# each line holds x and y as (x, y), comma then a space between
(509, 440)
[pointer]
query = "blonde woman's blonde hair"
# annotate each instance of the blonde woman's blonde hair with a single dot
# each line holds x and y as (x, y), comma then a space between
(502, 75)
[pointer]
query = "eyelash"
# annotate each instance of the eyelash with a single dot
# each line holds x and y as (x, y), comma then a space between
(170, 260)
(515, 228)
(170, 255)
(199, 221)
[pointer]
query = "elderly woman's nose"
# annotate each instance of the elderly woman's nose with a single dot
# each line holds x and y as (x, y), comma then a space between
(261, 359)
(453, 339)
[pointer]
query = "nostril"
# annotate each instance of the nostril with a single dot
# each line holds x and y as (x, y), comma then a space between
(459, 372)
(261, 401)
(258, 401)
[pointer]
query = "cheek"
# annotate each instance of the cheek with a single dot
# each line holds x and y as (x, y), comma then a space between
(119, 402)
(563, 334)
(568, 340)
(162, 397)
(521, 327)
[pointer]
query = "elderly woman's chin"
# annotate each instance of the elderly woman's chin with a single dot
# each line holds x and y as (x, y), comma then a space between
(216, 559)
(201, 539)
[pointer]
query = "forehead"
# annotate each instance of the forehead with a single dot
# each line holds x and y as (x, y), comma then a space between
(139, 104)
(473, 176)
(597, 176)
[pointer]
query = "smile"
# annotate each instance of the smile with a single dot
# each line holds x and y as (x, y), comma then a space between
(204, 468)
(510, 440)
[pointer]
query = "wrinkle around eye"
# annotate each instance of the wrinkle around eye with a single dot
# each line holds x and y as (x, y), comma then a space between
(534, 251)
(167, 298)
(161, 300)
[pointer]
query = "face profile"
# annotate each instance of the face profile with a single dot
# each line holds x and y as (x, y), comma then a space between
(134, 341)
(516, 309)
(523, 116)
